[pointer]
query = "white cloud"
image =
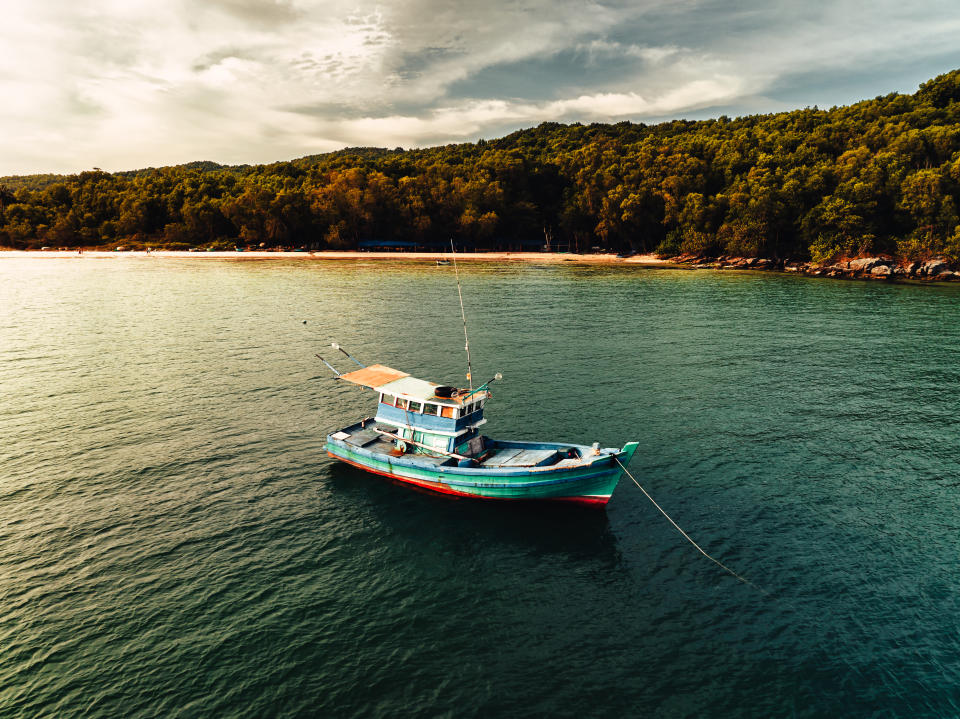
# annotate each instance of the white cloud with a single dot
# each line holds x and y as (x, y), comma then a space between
(603, 50)
(129, 83)
(469, 119)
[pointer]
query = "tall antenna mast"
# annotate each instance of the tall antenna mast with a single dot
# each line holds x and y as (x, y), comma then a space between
(466, 339)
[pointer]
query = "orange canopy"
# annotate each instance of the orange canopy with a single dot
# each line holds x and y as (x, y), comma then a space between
(374, 376)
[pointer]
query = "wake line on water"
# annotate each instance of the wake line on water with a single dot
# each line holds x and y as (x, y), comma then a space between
(687, 536)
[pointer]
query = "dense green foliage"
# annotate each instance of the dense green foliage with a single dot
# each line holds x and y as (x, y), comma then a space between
(880, 176)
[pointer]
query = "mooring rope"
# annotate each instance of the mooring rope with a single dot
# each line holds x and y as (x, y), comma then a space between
(685, 535)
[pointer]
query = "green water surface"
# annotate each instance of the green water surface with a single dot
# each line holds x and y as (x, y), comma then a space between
(175, 542)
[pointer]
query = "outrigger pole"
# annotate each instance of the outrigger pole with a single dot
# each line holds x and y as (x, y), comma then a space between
(334, 369)
(338, 347)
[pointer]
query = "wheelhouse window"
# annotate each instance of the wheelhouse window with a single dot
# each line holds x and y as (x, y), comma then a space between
(449, 412)
(401, 403)
(433, 409)
(386, 398)
(415, 406)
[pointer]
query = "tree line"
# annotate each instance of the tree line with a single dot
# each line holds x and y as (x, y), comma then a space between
(878, 176)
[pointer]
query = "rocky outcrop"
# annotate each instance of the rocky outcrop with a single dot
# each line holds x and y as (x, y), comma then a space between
(865, 264)
(873, 268)
(933, 268)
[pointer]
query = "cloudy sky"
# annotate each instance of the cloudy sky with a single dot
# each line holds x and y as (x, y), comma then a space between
(123, 84)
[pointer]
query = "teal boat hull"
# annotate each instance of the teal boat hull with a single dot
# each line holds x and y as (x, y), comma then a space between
(591, 482)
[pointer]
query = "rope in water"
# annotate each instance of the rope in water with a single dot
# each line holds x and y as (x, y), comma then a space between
(685, 535)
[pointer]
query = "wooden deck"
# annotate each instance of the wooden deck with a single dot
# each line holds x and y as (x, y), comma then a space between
(512, 457)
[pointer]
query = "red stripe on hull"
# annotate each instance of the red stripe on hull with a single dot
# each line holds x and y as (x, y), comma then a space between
(443, 489)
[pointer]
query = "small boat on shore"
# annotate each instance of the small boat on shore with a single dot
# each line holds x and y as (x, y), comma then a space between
(427, 435)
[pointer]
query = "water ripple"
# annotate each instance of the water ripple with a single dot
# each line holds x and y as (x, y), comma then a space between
(174, 542)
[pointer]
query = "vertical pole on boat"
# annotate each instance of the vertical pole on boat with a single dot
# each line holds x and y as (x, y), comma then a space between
(463, 314)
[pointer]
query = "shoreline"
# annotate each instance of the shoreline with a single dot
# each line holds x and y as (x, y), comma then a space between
(533, 257)
(868, 269)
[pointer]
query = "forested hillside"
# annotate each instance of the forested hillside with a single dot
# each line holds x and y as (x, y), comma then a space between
(880, 176)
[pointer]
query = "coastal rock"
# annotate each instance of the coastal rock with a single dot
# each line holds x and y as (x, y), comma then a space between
(932, 268)
(839, 269)
(863, 264)
(873, 268)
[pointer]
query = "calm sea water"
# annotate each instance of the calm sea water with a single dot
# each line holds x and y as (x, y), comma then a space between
(174, 541)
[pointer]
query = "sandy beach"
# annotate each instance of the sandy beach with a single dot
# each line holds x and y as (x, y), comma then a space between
(536, 257)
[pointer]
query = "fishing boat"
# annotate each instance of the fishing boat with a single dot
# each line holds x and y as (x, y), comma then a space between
(428, 435)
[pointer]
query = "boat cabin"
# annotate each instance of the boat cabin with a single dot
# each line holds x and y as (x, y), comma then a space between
(428, 417)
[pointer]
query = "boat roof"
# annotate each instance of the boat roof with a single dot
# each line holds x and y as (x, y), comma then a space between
(391, 381)
(374, 376)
